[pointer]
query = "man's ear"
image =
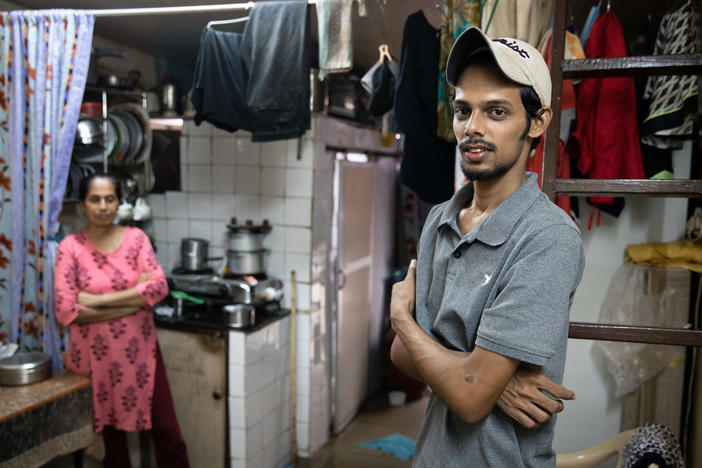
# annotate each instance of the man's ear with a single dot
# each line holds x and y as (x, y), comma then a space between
(539, 124)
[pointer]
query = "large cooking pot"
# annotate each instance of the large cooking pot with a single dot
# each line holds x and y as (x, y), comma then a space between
(247, 237)
(193, 253)
(239, 315)
(25, 368)
(247, 263)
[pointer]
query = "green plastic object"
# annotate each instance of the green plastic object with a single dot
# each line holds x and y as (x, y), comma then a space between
(187, 297)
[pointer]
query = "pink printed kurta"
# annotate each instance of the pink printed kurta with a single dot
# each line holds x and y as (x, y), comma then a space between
(120, 354)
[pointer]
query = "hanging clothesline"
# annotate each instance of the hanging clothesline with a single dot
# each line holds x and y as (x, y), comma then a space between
(177, 9)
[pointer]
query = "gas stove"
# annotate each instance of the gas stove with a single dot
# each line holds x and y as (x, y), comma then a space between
(216, 291)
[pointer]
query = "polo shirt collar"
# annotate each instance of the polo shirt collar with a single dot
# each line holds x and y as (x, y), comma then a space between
(497, 227)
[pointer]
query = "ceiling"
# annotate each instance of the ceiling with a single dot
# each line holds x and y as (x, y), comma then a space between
(176, 36)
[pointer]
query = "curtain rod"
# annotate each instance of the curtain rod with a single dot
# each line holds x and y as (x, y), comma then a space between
(177, 9)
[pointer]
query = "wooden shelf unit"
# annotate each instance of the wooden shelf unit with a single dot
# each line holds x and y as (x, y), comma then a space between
(552, 186)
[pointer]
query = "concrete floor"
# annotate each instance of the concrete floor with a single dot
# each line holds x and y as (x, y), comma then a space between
(376, 420)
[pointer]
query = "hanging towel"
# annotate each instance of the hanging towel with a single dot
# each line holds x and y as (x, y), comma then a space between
(397, 444)
(275, 48)
(652, 443)
(334, 27)
(219, 82)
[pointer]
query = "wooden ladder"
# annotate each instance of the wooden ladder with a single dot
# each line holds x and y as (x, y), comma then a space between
(552, 186)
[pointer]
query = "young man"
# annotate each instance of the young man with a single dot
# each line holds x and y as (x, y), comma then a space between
(498, 267)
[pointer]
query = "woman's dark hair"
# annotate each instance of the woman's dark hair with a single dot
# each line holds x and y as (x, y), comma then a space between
(532, 104)
(86, 181)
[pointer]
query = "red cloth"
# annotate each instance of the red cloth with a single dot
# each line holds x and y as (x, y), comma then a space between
(168, 442)
(120, 354)
(607, 134)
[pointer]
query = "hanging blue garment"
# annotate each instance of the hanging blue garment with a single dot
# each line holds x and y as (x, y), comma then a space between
(591, 17)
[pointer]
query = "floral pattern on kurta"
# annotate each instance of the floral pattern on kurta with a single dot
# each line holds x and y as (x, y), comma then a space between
(120, 354)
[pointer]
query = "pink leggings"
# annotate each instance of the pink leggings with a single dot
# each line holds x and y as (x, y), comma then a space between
(168, 442)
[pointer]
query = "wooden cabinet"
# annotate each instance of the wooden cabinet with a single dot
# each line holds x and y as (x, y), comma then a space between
(196, 365)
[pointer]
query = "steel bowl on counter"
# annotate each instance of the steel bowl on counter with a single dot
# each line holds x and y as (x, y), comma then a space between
(25, 368)
(239, 315)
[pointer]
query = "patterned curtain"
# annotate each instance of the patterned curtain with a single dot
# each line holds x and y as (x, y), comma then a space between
(44, 58)
(458, 15)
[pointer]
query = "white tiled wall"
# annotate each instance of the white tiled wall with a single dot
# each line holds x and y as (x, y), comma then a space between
(227, 175)
(289, 183)
(259, 396)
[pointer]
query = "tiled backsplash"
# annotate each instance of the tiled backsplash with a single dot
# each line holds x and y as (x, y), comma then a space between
(289, 183)
(226, 175)
(259, 396)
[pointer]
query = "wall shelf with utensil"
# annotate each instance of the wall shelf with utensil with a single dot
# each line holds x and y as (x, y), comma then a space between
(113, 135)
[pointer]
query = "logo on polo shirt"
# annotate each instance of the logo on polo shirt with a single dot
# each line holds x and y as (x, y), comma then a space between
(514, 46)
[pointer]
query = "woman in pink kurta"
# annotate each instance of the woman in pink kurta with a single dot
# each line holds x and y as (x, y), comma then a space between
(107, 280)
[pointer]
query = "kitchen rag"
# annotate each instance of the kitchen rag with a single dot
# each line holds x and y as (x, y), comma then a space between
(335, 38)
(396, 444)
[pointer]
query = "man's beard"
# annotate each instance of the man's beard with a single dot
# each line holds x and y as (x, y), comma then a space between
(498, 170)
(486, 174)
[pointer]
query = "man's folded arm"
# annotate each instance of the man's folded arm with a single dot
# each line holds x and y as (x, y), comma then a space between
(468, 383)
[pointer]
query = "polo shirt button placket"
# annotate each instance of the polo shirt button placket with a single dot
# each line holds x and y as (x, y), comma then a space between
(457, 254)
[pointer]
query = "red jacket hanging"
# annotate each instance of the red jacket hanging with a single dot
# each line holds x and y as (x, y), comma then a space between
(607, 134)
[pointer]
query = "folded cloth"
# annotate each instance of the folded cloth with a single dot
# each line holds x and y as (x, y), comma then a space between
(678, 254)
(275, 48)
(334, 30)
(383, 89)
(652, 443)
(396, 444)
(219, 83)
(367, 79)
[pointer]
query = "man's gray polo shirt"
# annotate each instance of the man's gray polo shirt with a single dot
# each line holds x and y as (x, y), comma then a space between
(506, 287)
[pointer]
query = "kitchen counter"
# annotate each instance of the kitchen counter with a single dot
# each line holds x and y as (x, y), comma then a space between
(41, 421)
(208, 326)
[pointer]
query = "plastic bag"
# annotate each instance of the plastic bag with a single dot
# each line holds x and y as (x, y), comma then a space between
(640, 295)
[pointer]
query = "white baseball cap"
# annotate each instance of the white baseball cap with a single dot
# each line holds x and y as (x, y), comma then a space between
(518, 60)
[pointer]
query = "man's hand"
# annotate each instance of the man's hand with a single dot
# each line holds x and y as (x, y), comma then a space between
(524, 401)
(402, 300)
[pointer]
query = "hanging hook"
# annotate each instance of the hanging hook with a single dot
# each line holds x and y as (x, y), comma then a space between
(384, 53)
(609, 5)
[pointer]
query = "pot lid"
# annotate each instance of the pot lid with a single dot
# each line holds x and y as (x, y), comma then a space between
(249, 226)
(24, 361)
